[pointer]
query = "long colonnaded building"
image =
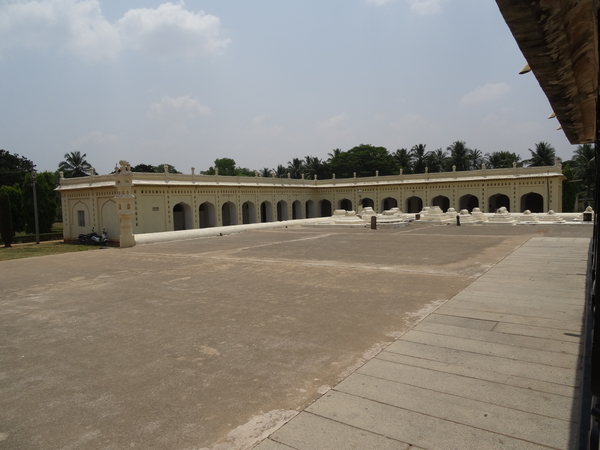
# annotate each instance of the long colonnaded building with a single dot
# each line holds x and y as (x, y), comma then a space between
(129, 203)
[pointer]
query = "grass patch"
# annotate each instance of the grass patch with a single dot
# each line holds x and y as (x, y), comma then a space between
(19, 251)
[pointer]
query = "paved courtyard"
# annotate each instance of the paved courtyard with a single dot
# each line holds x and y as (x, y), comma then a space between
(194, 344)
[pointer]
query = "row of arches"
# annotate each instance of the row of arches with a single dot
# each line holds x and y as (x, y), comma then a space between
(207, 213)
(531, 201)
(267, 212)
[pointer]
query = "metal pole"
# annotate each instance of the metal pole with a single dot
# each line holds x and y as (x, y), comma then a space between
(35, 209)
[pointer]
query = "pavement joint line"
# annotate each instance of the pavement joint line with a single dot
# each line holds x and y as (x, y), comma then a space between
(526, 361)
(457, 314)
(470, 377)
(500, 343)
(331, 419)
(280, 443)
(436, 417)
(437, 391)
(481, 354)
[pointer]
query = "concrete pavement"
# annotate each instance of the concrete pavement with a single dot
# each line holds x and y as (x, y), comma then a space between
(497, 366)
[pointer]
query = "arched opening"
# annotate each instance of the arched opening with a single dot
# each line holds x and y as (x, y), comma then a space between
(110, 220)
(207, 215)
(497, 201)
(296, 210)
(248, 213)
(367, 202)
(533, 201)
(228, 214)
(414, 205)
(266, 212)
(468, 202)
(345, 204)
(441, 201)
(389, 203)
(182, 217)
(282, 210)
(310, 209)
(324, 208)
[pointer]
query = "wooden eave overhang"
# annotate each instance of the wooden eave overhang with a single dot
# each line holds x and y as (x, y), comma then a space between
(559, 39)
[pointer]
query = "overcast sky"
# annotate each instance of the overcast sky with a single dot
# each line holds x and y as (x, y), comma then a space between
(261, 81)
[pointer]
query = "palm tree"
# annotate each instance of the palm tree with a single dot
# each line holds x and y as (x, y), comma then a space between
(543, 155)
(502, 160)
(404, 160)
(281, 171)
(334, 153)
(314, 166)
(74, 165)
(265, 172)
(584, 167)
(437, 160)
(296, 168)
(418, 154)
(476, 158)
(459, 155)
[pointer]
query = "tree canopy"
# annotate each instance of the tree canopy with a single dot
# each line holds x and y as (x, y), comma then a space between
(365, 160)
(74, 165)
(13, 168)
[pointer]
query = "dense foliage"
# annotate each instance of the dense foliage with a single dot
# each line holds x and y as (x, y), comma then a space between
(6, 227)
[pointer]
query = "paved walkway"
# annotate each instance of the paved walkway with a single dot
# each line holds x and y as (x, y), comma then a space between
(497, 366)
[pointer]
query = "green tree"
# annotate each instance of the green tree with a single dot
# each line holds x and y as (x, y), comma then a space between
(46, 201)
(6, 226)
(315, 166)
(502, 160)
(13, 168)
(296, 168)
(16, 201)
(418, 154)
(227, 167)
(280, 171)
(476, 158)
(584, 168)
(335, 152)
(170, 169)
(365, 160)
(404, 160)
(74, 165)
(147, 168)
(569, 190)
(265, 172)
(437, 160)
(543, 155)
(460, 156)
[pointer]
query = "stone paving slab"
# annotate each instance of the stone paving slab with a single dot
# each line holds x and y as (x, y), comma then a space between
(500, 338)
(484, 371)
(475, 388)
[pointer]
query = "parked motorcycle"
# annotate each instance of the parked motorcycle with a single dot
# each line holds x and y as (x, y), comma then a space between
(93, 238)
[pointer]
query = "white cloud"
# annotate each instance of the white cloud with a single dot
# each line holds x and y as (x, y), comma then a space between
(178, 109)
(426, 7)
(335, 122)
(95, 139)
(79, 27)
(413, 123)
(171, 30)
(486, 93)
(262, 127)
(73, 26)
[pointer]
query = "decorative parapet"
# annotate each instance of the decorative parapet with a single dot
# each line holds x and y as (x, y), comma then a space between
(124, 177)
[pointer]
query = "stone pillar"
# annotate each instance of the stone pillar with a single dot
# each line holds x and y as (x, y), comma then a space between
(125, 201)
(125, 211)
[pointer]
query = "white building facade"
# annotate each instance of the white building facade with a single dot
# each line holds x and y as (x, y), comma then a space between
(152, 202)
